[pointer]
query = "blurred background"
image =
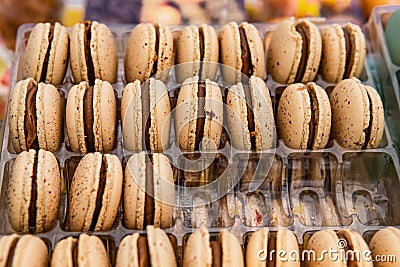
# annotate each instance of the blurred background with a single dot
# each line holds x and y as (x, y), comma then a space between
(14, 13)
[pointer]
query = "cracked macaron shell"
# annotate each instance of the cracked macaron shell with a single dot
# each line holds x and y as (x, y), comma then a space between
(90, 252)
(131, 116)
(102, 51)
(84, 190)
(29, 251)
(186, 115)
(20, 188)
(231, 53)
(104, 112)
(37, 48)
(285, 52)
(49, 123)
(141, 54)
(334, 54)
(189, 49)
(294, 115)
(134, 191)
(263, 115)
(356, 109)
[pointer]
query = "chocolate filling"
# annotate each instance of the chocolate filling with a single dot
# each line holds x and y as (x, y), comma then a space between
(100, 193)
(247, 67)
(250, 116)
(156, 52)
(143, 252)
(75, 254)
(216, 249)
(304, 53)
(30, 126)
(11, 253)
(368, 130)
(88, 118)
(201, 115)
(149, 186)
(271, 257)
(313, 122)
(47, 56)
(146, 116)
(350, 53)
(201, 45)
(88, 55)
(32, 203)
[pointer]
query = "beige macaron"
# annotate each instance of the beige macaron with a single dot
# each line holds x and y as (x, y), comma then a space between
(242, 52)
(384, 243)
(46, 54)
(199, 115)
(88, 251)
(343, 52)
(33, 195)
(200, 251)
(95, 193)
(344, 239)
(35, 116)
(294, 52)
(93, 53)
(27, 250)
(148, 191)
(357, 115)
(149, 51)
(250, 115)
(145, 116)
(304, 116)
(261, 244)
(91, 113)
(197, 49)
(153, 249)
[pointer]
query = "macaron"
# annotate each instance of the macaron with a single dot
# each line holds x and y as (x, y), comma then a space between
(35, 116)
(95, 193)
(86, 251)
(199, 115)
(91, 113)
(145, 116)
(263, 245)
(201, 251)
(46, 54)
(294, 52)
(26, 250)
(384, 243)
(343, 52)
(304, 116)
(392, 37)
(93, 53)
(148, 191)
(149, 51)
(344, 239)
(242, 52)
(33, 195)
(198, 48)
(153, 249)
(357, 115)
(250, 115)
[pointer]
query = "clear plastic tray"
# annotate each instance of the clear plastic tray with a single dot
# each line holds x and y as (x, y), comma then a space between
(304, 190)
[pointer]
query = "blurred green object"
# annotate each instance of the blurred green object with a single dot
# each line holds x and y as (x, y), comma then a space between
(392, 37)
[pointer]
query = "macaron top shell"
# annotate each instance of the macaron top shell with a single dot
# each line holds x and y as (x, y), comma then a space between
(143, 58)
(386, 242)
(355, 242)
(47, 117)
(102, 52)
(161, 250)
(198, 252)
(40, 48)
(232, 253)
(286, 241)
(285, 51)
(357, 115)
(258, 241)
(30, 251)
(256, 49)
(321, 241)
(197, 44)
